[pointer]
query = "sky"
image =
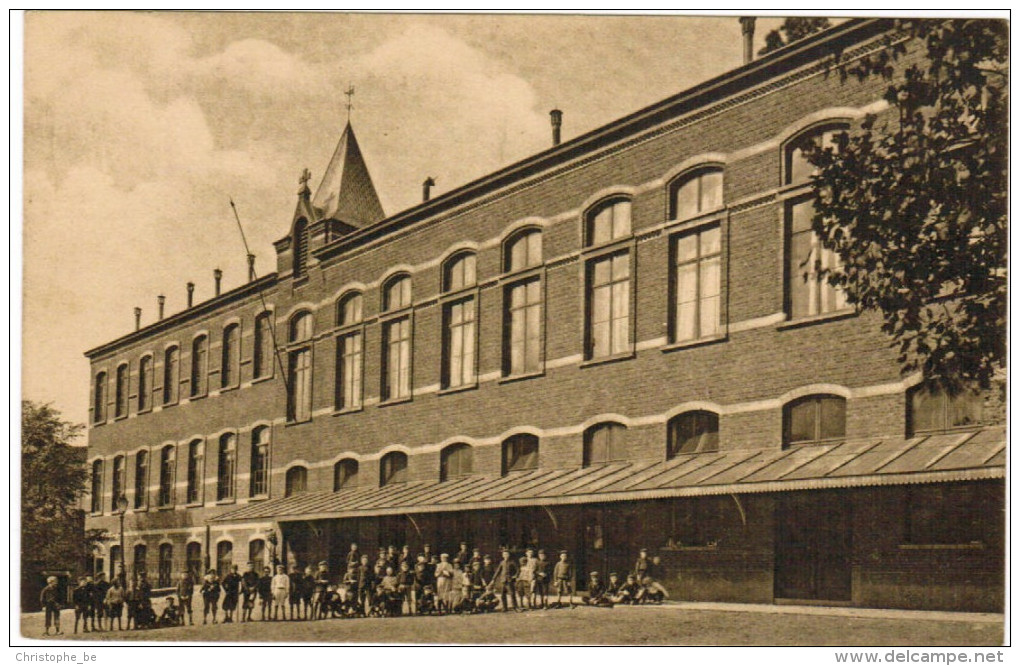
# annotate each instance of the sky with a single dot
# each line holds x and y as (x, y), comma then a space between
(139, 128)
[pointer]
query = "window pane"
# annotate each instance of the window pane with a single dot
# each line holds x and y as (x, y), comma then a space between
(598, 446)
(601, 272)
(802, 420)
(801, 301)
(601, 303)
(711, 241)
(833, 416)
(711, 190)
(534, 248)
(602, 226)
(965, 409)
(687, 199)
(687, 248)
(709, 318)
(621, 219)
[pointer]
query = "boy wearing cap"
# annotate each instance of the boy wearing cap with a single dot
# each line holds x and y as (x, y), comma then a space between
(463, 556)
(563, 577)
(281, 591)
(596, 595)
(265, 591)
(320, 590)
(99, 598)
(185, 591)
(540, 588)
(366, 585)
(308, 592)
(49, 599)
(249, 590)
(613, 586)
(525, 579)
(210, 592)
(504, 580)
(629, 591)
(353, 557)
(231, 585)
(642, 564)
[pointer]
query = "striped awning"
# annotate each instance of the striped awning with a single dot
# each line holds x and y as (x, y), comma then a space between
(963, 456)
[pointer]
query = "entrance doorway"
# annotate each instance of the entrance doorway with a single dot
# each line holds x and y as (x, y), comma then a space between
(813, 539)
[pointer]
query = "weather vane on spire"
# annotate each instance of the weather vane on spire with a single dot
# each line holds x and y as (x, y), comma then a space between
(350, 100)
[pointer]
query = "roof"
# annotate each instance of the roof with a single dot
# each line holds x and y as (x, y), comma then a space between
(961, 456)
(346, 192)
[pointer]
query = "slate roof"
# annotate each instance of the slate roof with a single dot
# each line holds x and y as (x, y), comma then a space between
(346, 192)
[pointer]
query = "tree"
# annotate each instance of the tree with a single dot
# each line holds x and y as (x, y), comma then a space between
(794, 29)
(914, 201)
(53, 480)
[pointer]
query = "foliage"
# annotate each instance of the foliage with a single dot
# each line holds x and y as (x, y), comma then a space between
(914, 201)
(794, 29)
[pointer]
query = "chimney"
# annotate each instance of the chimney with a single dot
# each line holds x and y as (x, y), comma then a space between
(426, 188)
(556, 118)
(747, 30)
(161, 300)
(138, 318)
(217, 275)
(251, 268)
(191, 294)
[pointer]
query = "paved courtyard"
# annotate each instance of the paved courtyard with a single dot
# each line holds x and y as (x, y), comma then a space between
(645, 625)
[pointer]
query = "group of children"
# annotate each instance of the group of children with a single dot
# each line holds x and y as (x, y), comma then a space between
(396, 584)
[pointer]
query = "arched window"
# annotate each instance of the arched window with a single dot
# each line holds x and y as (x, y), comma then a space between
(194, 563)
(224, 557)
(299, 368)
(696, 193)
(196, 468)
(345, 474)
(393, 468)
(396, 357)
(520, 452)
(171, 374)
(692, 432)
(262, 358)
(97, 486)
(230, 368)
(522, 250)
(99, 399)
(167, 474)
(117, 486)
(199, 365)
(459, 340)
(120, 404)
(140, 564)
(814, 419)
(141, 479)
(796, 167)
(296, 481)
(145, 383)
(300, 247)
(166, 564)
(227, 462)
(459, 272)
(931, 408)
(349, 352)
(608, 221)
(259, 462)
(605, 442)
(257, 554)
(456, 460)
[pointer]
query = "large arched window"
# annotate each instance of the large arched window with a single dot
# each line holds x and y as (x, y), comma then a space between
(141, 479)
(262, 358)
(605, 442)
(194, 560)
(522, 304)
(296, 481)
(456, 460)
(167, 474)
(117, 485)
(459, 339)
(196, 468)
(397, 293)
(120, 403)
(608, 221)
(171, 375)
(522, 250)
(520, 452)
(199, 366)
(299, 368)
(145, 383)
(99, 398)
(230, 361)
(259, 462)
(931, 408)
(300, 247)
(692, 432)
(349, 351)
(226, 467)
(607, 282)
(396, 357)
(166, 564)
(97, 486)
(224, 558)
(814, 419)
(696, 193)
(393, 468)
(345, 474)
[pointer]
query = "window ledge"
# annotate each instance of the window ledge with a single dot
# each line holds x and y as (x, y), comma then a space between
(170, 404)
(699, 342)
(95, 514)
(224, 502)
(394, 401)
(942, 546)
(689, 549)
(458, 389)
(263, 378)
(290, 424)
(198, 397)
(98, 423)
(140, 509)
(813, 442)
(836, 315)
(509, 379)
(194, 505)
(228, 389)
(348, 410)
(166, 507)
(120, 418)
(258, 498)
(608, 359)
(147, 410)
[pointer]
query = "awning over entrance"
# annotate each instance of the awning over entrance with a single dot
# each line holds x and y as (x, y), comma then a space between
(964, 456)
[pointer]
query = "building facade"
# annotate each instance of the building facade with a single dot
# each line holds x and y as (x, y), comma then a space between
(619, 342)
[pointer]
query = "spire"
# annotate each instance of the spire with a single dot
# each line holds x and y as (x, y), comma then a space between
(346, 192)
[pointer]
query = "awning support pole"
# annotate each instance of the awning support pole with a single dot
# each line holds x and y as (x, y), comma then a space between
(740, 508)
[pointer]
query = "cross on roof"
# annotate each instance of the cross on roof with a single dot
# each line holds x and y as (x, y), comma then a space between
(350, 100)
(306, 176)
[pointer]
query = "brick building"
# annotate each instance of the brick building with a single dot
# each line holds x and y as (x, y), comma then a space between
(608, 345)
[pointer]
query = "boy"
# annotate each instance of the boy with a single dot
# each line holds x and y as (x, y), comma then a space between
(249, 589)
(563, 576)
(297, 584)
(308, 591)
(281, 590)
(265, 590)
(210, 592)
(614, 585)
(463, 556)
(353, 557)
(641, 566)
(50, 601)
(170, 617)
(421, 579)
(185, 591)
(540, 586)
(321, 585)
(80, 599)
(366, 585)
(231, 588)
(99, 598)
(525, 579)
(596, 595)
(89, 608)
(390, 593)
(405, 585)
(651, 592)
(628, 593)
(504, 580)
(444, 583)
(115, 604)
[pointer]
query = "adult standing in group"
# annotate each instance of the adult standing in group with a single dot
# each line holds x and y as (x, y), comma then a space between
(231, 585)
(504, 580)
(444, 583)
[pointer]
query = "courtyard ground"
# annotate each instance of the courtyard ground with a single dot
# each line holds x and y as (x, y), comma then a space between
(670, 624)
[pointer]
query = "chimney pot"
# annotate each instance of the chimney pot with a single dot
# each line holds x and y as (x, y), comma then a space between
(556, 118)
(251, 268)
(191, 294)
(218, 276)
(747, 30)
(426, 188)
(138, 318)
(161, 301)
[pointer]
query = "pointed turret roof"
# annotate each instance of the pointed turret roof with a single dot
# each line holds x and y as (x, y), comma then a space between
(346, 192)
